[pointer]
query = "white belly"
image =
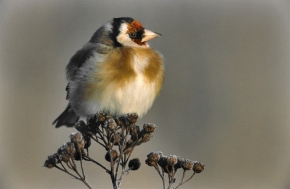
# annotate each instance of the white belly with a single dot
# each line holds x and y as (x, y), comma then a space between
(135, 97)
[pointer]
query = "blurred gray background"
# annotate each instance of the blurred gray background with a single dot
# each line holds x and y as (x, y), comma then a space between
(225, 100)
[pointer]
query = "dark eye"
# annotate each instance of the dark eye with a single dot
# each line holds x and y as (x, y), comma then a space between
(133, 35)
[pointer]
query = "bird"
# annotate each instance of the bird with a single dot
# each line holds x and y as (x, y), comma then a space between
(116, 71)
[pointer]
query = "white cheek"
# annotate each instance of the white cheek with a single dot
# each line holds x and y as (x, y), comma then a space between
(124, 38)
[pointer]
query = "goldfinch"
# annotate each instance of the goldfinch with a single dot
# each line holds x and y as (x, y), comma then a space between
(115, 72)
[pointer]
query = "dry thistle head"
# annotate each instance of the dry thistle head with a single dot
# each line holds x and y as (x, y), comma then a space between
(198, 167)
(51, 161)
(111, 155)
(179, 163)
(69, 147)
(150, 162)
(81, 126)
(146, 137)
(155, 156)
(101, 116)
(134, 132)
(78, 139)
(134, 164)
(132, 118)
(64, 155)
(163, 162)
(149, 127)
(121, 121)
(110, 124)
(187, 164)
(172, 160)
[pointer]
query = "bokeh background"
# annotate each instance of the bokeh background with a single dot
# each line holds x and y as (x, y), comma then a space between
(225, 100)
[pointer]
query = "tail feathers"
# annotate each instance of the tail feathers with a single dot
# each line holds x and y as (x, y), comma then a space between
(67, 118)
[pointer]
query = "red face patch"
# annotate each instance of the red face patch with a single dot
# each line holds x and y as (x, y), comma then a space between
(134, 26)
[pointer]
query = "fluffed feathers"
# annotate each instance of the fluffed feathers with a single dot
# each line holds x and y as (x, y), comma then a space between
(116, 71)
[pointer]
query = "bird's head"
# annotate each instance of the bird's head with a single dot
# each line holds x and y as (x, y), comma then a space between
(130, 32)
(125, 31)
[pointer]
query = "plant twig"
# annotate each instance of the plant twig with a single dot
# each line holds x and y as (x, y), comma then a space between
(92, 160)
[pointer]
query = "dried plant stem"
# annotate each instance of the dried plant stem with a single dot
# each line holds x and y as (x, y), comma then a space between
(114, 182)
(64, 170)
(83, 179)
(113, 179)
(92, 160)
(181, 183)
(117, 168)
(97, 141)
(122, 176)
(170, 176)
(170, 182)
(112, 173)
(81, 162)
(161, 175)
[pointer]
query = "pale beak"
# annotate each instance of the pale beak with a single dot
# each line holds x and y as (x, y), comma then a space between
(148, 35)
